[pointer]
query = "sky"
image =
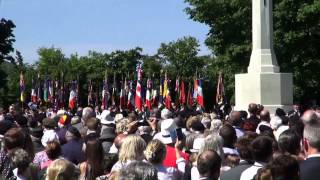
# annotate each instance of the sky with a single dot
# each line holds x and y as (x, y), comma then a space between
(77, 26)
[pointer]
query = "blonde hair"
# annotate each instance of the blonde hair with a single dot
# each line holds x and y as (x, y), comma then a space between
(61, 169)
(155, 152)
(121, 126)
(132, 148)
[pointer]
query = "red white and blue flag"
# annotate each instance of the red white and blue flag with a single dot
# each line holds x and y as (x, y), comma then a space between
(200, 94)
(138, 99)
(148, 94)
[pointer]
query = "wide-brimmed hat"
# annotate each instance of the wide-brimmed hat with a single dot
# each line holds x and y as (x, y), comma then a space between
(168, 133)
(106, 118)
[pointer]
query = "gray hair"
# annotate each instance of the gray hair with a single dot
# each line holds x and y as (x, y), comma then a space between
(216, 125)
(312, 134)
(139, 171)
(87, 113)
(213, 142)
(21, 159)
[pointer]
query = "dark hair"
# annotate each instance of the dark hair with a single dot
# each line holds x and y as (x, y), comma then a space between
(229, 136)
(253, 108)
(18, 138)
(53, 150)
(94, 157)
(138, 171)
(289, 141)
(282, 167)
(20, 159)
(261, 148)
(280, 112)
(209, 164)
(243, 143)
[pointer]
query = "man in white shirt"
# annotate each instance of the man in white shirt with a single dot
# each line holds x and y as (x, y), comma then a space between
(261, 149)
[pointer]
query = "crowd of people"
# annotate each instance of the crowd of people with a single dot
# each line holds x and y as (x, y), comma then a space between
(177, 143)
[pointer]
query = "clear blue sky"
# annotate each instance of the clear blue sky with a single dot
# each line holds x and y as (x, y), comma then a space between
(101, 25)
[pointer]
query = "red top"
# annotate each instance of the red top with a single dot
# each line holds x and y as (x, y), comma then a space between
(170, 160)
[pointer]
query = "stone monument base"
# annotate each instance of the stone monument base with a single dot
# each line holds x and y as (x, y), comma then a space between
(272, 90)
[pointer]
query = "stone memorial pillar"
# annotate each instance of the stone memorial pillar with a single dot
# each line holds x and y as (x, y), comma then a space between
(263, 84)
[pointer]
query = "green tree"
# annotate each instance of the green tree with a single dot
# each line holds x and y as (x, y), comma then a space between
(180, 57)
(296, 31)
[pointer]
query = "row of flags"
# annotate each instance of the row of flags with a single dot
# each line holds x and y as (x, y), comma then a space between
(55, 92)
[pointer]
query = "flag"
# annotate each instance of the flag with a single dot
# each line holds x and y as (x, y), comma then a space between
(138, 99)
(220, 90)
(148, 94)
(131, 99)
(161, 92)
(39, 88)
(73, 95)
(190, 98)
(182, 97)
(45, 90)
(166, 92)
(122, 94)
(200, 94)
(177, 91)
(61, 93)
(114, 90)
(22, 87)
(56, 95)
(195, 88)
(50, 88)
(90, 93)
(33, 93)
(105, 93)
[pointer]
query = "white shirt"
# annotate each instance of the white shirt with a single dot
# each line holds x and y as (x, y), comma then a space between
(169, 173)
(249, 173)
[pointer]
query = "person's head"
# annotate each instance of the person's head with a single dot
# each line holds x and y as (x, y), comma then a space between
(209, 164)
(289, 142)
(138, 171)
(194, 124)
(235, 118)
(215, 125)
(72, 134)
(20, 159)
(265, 115)
(53, 150)
(229, 136)
(282, 167)
(155, 152)
(87, 113)
(14, 138)
(49, 123)
(189, 141)
(121, 126)
(253, 109)
(213, 142)
(261, 148)
(243, 144)
(61, 169)
(311, 139)
(309, 117)
(132, 117)
(93, 124)
(132, 148)
(166, 114)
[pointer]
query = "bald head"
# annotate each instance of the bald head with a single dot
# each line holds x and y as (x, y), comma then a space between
(265, 115)
(209, 164)
(235, 118)
(310, 117)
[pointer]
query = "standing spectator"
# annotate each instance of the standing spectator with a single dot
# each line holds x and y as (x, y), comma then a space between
(265, 120)
(131, 150)
(93, 166)
(262, 150)
(49, 133)
(24, 170)
(246, 160)
(138, 171)
(310, 167)
(72, 150)
(43, 158)
(155, 154)
(62, 169)
(209, 164)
